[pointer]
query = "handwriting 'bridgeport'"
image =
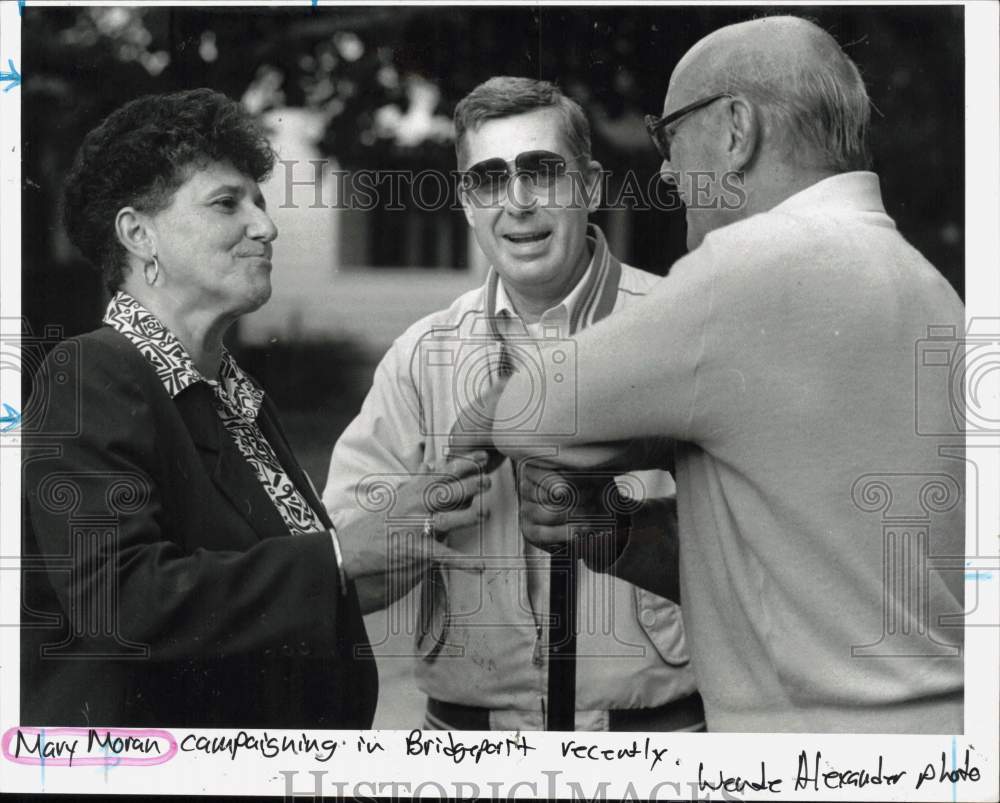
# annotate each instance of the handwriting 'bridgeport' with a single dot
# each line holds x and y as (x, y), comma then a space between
(419, 745)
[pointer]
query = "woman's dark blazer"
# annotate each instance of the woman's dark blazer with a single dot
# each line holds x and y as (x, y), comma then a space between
(161, 585)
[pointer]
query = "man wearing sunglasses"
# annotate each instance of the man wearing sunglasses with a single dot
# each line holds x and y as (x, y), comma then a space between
(779, 358)
(528, 184)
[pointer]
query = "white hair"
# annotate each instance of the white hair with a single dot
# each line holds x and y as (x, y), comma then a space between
(810, 94)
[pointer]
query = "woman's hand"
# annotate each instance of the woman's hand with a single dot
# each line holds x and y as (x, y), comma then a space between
(402, 535)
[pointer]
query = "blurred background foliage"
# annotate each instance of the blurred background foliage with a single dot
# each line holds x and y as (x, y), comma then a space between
(384, 82)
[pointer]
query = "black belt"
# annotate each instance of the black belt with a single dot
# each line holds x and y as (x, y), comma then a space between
(684, 714)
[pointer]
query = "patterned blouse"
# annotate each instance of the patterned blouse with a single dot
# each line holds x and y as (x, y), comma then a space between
(237, 401)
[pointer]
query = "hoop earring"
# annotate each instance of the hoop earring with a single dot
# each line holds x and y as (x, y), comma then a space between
(156, 271)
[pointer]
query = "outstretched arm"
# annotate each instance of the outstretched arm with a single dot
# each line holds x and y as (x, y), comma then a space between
(634, 377)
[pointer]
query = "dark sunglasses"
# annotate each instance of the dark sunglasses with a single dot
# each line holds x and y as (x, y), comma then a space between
(657, 126)
(488, 179)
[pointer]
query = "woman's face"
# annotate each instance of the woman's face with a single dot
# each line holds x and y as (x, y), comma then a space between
(214, 242)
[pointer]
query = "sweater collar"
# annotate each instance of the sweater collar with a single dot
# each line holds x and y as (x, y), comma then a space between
(856, 191)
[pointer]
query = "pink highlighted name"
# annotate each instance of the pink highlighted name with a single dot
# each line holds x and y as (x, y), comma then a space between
(88, 747)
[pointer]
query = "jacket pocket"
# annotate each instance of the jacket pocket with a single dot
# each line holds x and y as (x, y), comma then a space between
(433, 615)
(661, 620)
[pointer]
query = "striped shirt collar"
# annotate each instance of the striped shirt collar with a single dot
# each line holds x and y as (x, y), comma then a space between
(561, 312)
(173, 364)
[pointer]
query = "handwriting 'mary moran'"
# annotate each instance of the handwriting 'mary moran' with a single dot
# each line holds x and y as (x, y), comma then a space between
(45, 748)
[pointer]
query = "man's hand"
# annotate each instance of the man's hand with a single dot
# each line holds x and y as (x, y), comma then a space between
(586, 508)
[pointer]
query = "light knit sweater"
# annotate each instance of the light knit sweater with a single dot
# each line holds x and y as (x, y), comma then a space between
(780, 357)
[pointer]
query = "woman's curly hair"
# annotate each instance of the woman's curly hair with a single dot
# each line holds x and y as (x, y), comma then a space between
(141, 153)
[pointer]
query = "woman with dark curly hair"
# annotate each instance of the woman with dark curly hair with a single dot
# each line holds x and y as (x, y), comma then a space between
(184, 571)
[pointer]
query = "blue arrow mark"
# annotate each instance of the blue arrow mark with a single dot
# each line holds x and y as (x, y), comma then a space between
(11, 417)
(20, 7)
(41, 750)
(13, 76)
(954, 766)
(315, 3)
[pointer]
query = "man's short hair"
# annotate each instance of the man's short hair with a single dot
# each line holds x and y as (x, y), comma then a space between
(506, 96)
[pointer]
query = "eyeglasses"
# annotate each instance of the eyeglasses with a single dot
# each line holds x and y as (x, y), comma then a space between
(657, 126)
(540, 170)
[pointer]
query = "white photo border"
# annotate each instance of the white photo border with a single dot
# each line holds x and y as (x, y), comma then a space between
(544, 772)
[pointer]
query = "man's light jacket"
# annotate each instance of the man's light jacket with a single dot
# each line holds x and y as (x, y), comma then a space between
(479, 638)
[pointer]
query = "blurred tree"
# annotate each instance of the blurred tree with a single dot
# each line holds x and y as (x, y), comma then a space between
(70, 54)
(386, 81)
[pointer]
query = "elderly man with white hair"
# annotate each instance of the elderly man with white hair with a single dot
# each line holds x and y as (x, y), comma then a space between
(777, 367)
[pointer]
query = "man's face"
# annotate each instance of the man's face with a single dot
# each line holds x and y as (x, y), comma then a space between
(697, 163)
(536, 239)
